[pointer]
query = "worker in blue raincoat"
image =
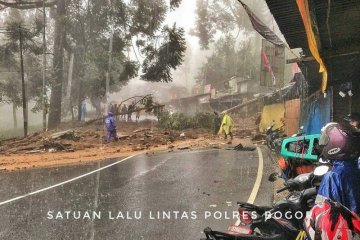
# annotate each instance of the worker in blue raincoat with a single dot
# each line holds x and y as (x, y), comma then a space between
(110, 125)
(341, 145)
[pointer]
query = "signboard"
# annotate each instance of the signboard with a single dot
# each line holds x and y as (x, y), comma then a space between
(272, 65)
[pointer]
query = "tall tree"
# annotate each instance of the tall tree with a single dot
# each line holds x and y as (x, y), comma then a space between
(224, 27)
(136, 27)
(225, 17)
(83, 28)
(229, 59)
(59, 43)
(20, 44)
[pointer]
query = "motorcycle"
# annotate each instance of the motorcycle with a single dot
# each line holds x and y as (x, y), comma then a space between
(300, 132)
(299, 154)
(331, 220)
(273, 137)
(282, 221)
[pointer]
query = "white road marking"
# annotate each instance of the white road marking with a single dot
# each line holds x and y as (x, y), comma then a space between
(256, 187)
(96, 203)
(65, 182)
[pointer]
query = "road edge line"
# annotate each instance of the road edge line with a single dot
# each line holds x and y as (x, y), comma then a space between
(65, 182)
(257, 183)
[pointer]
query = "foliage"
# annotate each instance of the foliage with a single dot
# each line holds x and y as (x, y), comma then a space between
(85, 28)
(10, 90)
(10, 86)
(224, 17)
(146, 16)
(159, 62)
(148, 103)
(174, 4)
(180, 121)
(225, 26)
(203, 120)
(132, 21)
(203, 26)
(227, 60)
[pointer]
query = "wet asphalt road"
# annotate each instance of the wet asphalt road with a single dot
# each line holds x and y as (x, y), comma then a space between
(190, 190)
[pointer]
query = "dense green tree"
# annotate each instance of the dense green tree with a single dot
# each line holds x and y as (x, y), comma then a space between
(10, 84)
(100, 35)
(225, 17)
(133, 27)
(224, 27)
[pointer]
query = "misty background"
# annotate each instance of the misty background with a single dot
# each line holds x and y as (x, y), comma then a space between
(189, 74)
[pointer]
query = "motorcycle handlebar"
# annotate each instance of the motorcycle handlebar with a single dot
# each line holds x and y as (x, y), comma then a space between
(282, 189)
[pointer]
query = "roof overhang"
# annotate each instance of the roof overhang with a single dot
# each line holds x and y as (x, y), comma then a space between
(337, 28)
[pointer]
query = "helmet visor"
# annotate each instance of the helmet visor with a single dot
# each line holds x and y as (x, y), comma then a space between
(324, 139)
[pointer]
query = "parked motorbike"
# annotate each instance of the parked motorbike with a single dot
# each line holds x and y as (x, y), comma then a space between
(273, 137)
(278, 141)
(299, 154)
(331, 220)
(282, 221)
(300, 132)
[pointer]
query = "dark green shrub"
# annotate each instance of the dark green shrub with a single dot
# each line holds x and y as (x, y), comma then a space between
(180, 121)
(203, 120)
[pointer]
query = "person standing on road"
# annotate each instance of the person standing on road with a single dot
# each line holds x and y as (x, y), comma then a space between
(131, 109)
(124, 111)
(227, 124)
(83, 110)
(116, 112)
(217, 122)
(110, 125)
(137, 113)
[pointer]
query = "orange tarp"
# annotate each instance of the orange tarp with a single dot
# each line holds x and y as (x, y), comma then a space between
(303, 6)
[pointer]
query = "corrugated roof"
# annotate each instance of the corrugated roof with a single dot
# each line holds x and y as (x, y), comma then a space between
(289, 21)
(338, 24)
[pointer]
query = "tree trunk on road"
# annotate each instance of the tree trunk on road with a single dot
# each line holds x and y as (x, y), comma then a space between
(58, 65)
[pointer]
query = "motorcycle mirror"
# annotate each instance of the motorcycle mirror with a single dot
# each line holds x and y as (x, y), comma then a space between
(273, 177)
(321, 170)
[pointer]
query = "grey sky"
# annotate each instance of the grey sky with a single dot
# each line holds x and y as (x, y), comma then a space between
(184, 16)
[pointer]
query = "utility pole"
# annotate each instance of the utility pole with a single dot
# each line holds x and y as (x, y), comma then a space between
(107, 86)
(109, 71)
(44, 70)
(68, 89)
(23, 84)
